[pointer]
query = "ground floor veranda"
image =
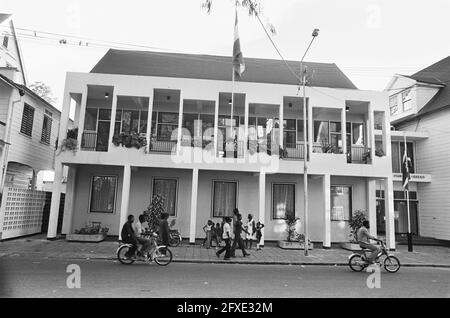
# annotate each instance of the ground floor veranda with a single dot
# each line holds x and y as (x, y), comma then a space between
(108, 194)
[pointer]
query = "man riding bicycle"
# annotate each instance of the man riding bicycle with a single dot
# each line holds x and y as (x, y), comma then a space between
(128, 236)
(363, 237)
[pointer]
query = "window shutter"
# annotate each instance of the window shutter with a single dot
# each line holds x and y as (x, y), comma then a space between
(27, 120)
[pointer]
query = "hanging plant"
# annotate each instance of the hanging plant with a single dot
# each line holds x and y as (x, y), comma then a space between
(129, 140)
(71, 142)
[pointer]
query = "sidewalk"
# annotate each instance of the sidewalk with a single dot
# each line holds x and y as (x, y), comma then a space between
(38, 246)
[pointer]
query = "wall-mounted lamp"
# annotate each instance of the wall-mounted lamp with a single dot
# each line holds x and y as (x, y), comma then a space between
(229, 101)
(347, 108)
(106, 95)
(168, 97)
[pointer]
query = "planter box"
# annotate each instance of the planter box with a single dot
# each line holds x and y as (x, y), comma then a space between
(85, 237)
(351, 246)
(293, 245)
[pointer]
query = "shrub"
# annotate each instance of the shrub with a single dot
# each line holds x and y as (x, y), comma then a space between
(291, 222)
(358, 217)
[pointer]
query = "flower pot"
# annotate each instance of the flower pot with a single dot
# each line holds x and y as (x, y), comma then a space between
(294, 245)
(85, 237)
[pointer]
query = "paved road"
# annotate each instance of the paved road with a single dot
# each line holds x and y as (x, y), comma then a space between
(99, 278)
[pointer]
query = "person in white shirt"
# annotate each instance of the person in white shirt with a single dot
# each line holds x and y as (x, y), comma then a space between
(227, 238)
(139, 230)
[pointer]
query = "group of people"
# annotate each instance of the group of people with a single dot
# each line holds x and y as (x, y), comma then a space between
(134, 233)
(232, 229)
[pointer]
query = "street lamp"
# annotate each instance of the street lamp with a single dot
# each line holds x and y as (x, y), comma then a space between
(305, 143)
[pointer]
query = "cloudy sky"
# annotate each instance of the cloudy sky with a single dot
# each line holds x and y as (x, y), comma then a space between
(369, 40)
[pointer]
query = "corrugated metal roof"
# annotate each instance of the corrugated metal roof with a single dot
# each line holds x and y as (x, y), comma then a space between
(211, 67)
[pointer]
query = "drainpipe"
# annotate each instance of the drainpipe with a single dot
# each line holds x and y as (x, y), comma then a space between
(8, 137)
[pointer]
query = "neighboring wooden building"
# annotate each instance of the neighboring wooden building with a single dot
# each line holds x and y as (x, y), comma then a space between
(420, 103)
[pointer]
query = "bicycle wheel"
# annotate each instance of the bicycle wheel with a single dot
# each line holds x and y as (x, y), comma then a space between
(355, 262)
(391, 264)
(121, 255)
(161, 258)
(175, 241)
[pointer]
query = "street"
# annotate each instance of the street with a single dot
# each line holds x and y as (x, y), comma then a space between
(37, 277)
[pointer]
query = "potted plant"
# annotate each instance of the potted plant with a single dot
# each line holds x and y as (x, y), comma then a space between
(358, 217)
(379, 152)
(153, 213)
(89, 233)
(129, 140)
(293, 239)
(366, 156)
(283, 152)
(70, 142)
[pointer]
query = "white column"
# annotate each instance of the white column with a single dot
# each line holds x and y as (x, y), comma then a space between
(371, 187)
(389, 212)
(310, 127)
(69, 200)
(149, 122)
(281, 123)
(125, 196)
(54, 206)
(216, 128)
(64, 119)
(262, 202)
(194, 195)
(371, 135)
(327, 211)
(344, 131)
(82, 115)
(386, 134)
(180, 124)
(76, 120)
(246, 110)
(113, 120)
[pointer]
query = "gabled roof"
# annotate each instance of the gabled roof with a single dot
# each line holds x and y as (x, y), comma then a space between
(217, 68)
(439, 71)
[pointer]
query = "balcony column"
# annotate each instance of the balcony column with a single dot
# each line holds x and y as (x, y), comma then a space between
(82, 115)
(126, 182)
(281, 123)
(113, 120)
(55, 202)
(194, 195)
(262, 202)
(69, 201)
(216, 128)
(389, 212)
(372, 205)
(180, 124)
(344, 130)
(371, 136)
(149, 123)
(326, 190)
(386, 134)
(246, 131)
(64, 120)
(310, 124)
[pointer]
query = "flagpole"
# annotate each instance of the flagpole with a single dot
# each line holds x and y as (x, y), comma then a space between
(410, 246)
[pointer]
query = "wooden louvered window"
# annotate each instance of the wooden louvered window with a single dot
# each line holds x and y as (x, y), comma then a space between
(26, 127)
(46, 129)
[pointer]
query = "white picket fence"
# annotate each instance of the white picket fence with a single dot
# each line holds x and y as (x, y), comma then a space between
(21, 212)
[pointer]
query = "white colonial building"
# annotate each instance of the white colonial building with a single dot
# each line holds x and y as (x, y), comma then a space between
(420, 109)
(204, 163)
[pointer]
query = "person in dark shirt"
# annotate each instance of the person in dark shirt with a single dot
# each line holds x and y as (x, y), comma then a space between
(233, 229)
(128, 236)
(164, 230)
(237, 235)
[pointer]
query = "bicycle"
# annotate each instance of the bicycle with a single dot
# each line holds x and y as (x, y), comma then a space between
(358, 260)
(162, 255)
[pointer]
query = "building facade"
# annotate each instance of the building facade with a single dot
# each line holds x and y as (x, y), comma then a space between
(205, 162)
(420, 109)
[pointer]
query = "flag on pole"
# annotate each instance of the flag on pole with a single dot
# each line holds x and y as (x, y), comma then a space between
(238, 59)
(406, 165)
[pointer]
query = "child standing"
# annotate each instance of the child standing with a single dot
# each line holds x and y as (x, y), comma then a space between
(208, 230)
(259, 226)
(251, 231)
(218, 234)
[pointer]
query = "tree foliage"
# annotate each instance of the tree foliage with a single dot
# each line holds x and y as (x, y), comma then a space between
(44, 91)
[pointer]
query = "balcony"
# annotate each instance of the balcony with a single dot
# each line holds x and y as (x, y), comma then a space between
(295, 151)
(92, 141)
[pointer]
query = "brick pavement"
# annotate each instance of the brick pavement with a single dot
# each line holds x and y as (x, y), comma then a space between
(38, 246)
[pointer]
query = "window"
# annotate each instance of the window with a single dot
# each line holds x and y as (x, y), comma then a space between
(27, 120)
(406, 100)
(224, 198)
(395, 157)
(103, 194)
(283, 200)
(143, 122)
(130, 121)
(46, 129)
(321, 131)
(335, 134)
(341, 203)
(167, 124)
(167, 188)
(290, 132)
(393, 106)
(300, 129)
(5, 41)
(90, 119)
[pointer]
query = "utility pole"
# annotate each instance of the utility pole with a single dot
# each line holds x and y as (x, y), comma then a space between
(305, 147)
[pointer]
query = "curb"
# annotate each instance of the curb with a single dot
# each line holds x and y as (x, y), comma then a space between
(218, 261)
